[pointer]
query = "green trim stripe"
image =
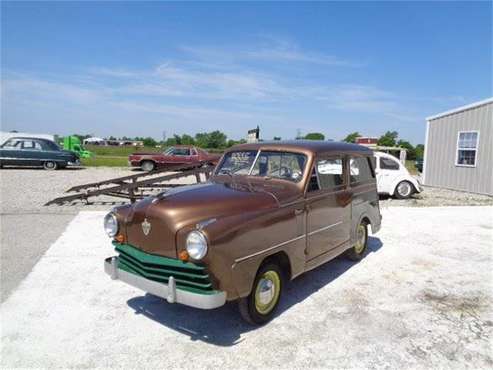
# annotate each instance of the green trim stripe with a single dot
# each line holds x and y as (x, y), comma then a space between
(188, 276)
(155, 259)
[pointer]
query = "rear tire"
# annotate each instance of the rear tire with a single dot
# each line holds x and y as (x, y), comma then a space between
(357, 252)
(260, 306)
(148, 166)
(50, 165)
(403, 190)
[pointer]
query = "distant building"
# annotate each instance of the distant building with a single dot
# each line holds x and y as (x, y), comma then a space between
(253, 135)
(370, 142)
(459, 149)
(115, 142)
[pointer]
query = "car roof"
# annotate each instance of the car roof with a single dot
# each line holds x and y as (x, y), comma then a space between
(29, 138)
(306, 146)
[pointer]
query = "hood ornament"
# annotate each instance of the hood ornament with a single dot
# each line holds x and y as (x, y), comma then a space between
(146, 227)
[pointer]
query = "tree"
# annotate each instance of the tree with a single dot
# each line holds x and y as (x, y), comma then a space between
(171, 141)
(419, 151)
(277, 138)
(351, 138)
(217, 139)
(411, 152)
(314, 136)
(202, 139)
(388, 139)
(187, 140)
(149, 141)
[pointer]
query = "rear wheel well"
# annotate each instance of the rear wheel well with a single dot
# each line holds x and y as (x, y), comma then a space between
(282, 260)
(366, 220)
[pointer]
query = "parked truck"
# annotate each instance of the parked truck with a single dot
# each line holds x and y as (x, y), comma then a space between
(73, 144)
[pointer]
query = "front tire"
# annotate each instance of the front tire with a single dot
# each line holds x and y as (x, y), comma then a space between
(403, 190)
(148, 166)
(357, 252)
(260, 306)
(50, 165)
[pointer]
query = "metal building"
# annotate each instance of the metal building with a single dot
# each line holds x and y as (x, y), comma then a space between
(459, 149)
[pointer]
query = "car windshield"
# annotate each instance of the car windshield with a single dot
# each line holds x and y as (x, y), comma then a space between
(282, 165)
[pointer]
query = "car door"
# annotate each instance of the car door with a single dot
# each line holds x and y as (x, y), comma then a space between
(32, 152)
(327, 206)
(181, 155)
(194, 155)
(387, 171)
(10, 152)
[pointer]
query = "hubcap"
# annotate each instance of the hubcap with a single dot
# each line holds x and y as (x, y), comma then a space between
(50, 165)
(267, 292)
(404, 189)
(361, 239)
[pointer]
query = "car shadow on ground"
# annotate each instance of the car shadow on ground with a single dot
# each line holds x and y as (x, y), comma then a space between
(223, 326)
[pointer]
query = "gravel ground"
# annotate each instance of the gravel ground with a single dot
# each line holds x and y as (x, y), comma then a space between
(422, 298)
(27, 227)
(435, 197)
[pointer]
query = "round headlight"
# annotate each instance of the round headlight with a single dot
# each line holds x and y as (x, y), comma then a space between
(110, 224)
(196, 245)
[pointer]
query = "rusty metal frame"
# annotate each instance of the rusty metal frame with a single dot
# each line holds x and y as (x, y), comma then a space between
(134, 187)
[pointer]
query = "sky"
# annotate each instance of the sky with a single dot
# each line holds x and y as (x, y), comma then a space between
(144, 69)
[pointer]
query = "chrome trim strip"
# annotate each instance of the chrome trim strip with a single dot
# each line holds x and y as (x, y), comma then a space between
(34, 159)
(269, 249)
(324, 228)
(169, 292)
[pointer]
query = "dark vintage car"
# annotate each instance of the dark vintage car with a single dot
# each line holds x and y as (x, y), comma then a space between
(269, 213)
(35, 152)
(175, 155)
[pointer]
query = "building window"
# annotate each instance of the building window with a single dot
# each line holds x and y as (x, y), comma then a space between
(467, 148)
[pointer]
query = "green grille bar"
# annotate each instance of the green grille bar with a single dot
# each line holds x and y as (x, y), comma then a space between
(188, 276)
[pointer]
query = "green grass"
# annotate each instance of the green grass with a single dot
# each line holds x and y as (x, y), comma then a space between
(119, 151)
(105, 161)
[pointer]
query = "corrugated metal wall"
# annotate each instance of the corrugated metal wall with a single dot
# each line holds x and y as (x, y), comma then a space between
(440, 167)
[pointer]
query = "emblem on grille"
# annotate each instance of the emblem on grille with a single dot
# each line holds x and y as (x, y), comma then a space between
(146, 227)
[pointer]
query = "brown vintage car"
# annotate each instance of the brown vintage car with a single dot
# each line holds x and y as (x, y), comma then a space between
(270, 212)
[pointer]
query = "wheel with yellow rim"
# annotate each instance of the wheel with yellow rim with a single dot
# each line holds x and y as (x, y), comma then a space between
(260, 306)
(357, 252)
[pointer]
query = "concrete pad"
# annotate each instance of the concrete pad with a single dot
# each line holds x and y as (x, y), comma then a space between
(24, 238)
(422, 298)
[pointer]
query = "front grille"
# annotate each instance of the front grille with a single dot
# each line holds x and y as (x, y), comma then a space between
(188, 276)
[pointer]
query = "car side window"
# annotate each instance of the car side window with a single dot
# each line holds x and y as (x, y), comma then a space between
(30, 145)
(12, 144)
(330, 173)
(388, 164)
(181, 151)
(360, 170)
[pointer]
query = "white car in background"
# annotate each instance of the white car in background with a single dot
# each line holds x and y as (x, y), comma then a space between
(393, 178)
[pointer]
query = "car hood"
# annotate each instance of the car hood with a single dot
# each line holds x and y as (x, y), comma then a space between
(187, 205)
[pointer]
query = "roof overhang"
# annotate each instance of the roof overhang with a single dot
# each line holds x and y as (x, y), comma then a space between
(461, 109)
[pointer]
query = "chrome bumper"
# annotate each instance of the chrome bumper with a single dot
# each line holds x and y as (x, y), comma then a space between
(168, 292)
